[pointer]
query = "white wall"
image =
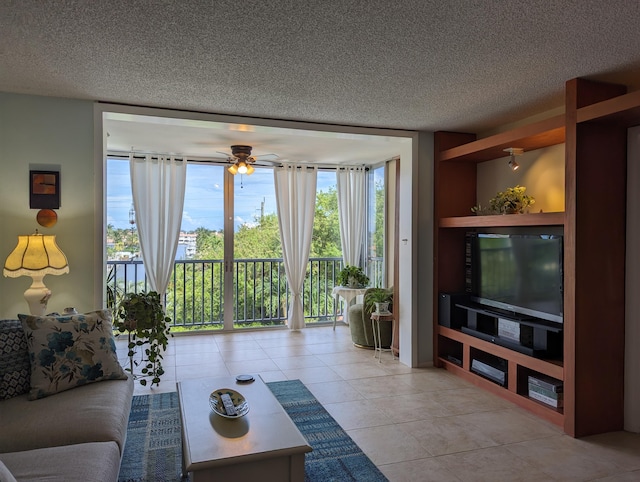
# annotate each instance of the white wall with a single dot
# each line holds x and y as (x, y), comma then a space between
(632, 306)
(58, 132)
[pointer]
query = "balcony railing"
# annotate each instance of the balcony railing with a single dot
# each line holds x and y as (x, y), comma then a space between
(195, 295)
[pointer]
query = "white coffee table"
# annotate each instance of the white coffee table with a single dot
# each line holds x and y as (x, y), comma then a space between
(263, 445)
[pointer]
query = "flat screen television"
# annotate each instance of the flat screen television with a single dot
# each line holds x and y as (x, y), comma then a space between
(521, 274)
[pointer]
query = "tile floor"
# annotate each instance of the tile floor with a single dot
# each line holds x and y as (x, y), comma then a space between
(435, 428)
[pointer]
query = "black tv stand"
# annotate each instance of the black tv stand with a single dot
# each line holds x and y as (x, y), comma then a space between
(505, 343)
(528, 335)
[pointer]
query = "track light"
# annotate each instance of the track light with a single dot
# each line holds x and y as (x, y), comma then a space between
(514, 151)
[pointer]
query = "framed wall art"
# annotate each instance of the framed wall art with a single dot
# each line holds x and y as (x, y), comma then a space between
(44, 189)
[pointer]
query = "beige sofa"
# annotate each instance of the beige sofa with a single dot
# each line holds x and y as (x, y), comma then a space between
(75, 435)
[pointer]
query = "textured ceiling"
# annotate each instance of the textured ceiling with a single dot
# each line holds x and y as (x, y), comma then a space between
(419, 65)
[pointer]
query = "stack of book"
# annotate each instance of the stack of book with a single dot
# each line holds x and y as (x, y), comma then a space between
(546, 390)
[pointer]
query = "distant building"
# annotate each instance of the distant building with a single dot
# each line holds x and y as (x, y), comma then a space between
(189, 241)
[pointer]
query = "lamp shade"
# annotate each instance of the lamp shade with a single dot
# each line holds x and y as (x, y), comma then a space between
(36, 254)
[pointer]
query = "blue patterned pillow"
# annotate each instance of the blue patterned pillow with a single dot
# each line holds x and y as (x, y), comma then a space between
(68, 351)
(15, 371)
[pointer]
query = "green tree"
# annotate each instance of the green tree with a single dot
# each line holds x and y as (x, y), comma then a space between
(326, 226)
(259, 240)
(209, 244)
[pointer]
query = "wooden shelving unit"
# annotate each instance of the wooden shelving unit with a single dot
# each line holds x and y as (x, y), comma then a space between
(593, 129)
(535, 219)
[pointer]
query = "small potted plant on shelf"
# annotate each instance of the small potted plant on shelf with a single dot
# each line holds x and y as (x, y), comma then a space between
(142, 316)
(511, 201)
(353, 277)
(378, 300)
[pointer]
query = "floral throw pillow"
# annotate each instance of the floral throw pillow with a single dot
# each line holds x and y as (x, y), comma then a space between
(69, 351)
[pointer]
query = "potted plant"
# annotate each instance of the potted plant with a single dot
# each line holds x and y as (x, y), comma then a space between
(378, 300)
(353, 277)
(142, 316)
(511, 201)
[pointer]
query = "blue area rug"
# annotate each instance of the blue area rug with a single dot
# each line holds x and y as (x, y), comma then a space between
(154, 447)
(335, 456)
(153, 451)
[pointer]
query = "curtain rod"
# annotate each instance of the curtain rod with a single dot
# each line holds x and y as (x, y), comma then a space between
(210, 160)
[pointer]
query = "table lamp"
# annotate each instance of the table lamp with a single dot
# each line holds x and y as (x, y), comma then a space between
(36, 255)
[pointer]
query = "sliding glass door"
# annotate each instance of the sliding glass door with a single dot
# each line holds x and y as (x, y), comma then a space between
(259, 295)
(376, 222)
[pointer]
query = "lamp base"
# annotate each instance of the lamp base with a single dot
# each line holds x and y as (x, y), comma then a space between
(37, 296)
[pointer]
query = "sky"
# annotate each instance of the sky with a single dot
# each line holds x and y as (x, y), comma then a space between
(204, 195)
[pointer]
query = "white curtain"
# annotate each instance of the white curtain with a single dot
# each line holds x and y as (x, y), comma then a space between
(157, 185)
(296, 202)
(351, 185)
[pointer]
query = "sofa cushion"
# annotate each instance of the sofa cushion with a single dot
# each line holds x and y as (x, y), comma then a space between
(5, 474)
(69, 351)
(90, 462)
(15, 371)
(97, 412)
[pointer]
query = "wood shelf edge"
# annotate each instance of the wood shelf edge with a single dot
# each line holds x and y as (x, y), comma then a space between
(624, 109)
(550, 414)
(547, 367)
(540, 134)
(533, 219)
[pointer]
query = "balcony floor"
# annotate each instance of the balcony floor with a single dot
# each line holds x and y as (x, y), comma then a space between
(436, 427)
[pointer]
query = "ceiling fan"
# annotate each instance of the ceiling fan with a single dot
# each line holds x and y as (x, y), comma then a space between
(242, 160)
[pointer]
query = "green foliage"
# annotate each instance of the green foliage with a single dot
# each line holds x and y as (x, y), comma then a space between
(114, 292)
(352, 276)
(124, 240)
(378, 234)
(377, 295)
(209, 244)
(511, 201)
(142, 316)
(199, 287)
(258, 240)
(326, 226)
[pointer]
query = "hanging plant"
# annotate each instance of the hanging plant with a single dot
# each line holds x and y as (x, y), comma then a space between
(141, 316)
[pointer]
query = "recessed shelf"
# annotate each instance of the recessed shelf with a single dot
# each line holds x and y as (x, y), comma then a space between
(541, 134)
(552, 368)
(533, 219)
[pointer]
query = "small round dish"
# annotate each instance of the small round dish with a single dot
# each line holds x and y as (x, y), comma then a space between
(239, 402)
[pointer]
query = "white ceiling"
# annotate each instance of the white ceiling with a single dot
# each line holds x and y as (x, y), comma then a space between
(464, 65)
(201, 139)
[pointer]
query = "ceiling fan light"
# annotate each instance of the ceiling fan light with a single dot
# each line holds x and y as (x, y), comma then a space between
(250, 169)
(233, 169)
(242, 167)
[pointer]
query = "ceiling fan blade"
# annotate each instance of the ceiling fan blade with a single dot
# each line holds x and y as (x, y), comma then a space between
(270, 157)
(266, 162)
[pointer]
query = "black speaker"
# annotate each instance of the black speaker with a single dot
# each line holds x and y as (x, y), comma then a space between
(448, 314)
